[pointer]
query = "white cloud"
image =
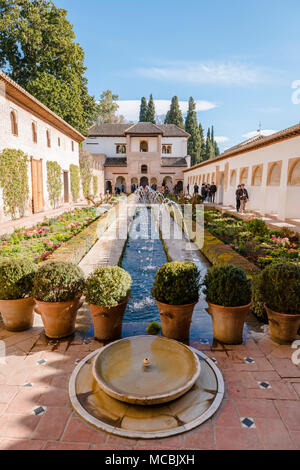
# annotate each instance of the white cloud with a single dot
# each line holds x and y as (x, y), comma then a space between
(264, 132)
(131, 108)
(209, 73)
(221, 139)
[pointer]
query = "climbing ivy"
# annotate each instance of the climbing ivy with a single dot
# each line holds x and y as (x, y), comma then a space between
(86, 172)
(75, 181)
(95, 185)
(14, 182)
(54, 182)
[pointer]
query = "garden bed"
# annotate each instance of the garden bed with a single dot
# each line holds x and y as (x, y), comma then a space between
(253, 239)
(39, 242)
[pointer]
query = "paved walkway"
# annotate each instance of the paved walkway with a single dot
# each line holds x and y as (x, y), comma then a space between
(272, 222)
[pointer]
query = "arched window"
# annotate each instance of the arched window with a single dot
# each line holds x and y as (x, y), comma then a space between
(169, 149)
(257, 176)
(275, 175)
(164, 149)
(244, 176)
(72, 145)
(295, 175)
(144, 146)
(48, 138)
(14, 123)
(34, 132)
(233, 179)
(144, 169)
(58, 141)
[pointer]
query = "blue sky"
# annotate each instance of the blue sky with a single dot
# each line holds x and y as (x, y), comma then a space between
(238, 59)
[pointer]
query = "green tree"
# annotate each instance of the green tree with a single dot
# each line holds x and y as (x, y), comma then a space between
(209, 147)
(95, 186)
(202, 141)
(14, 181)
(75, 181)
(107, 108)
(151, 110)
(143, 110)
(174, 115)
(191, 126)
(38, 51)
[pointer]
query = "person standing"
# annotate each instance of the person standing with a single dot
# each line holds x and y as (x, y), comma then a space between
(196, 189)
(244, 198)
(238, 195)
(203, 192)
(188, 189)
(213, 190)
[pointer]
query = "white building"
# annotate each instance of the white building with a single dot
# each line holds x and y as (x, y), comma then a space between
(28, 125)
(142, 153)
(268, 166)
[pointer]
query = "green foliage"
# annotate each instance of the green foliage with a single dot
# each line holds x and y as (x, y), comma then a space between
(16, 277)
(151, 110)
(75, 182)
(143, 110)
(258, 298)
(86, 171)
(153, 328)
(108, 286)
(54, 182)
(107, 109)
(281, 287)
(57, 281)
(202, 144)
(257, 227)
(227, 286)
(177, 283)
(38, 50)
(14, 181)
(95, 185)
(174, 115)
(191, 126)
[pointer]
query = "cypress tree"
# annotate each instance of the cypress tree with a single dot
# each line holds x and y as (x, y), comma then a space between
(174, 115)
(191, 126)
(151, 110)
(143, 110)
(202, 140)
(209, 147)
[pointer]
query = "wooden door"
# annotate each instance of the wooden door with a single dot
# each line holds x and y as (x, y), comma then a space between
(66, 186)
(37, 185)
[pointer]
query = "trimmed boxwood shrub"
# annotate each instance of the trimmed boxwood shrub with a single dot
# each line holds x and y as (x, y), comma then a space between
(281, 287)
(177, 283)
(227, 286)
(153, 328)
(58, 281)
(108, 286)
(257, 227)
(16, 276)
(258, 299)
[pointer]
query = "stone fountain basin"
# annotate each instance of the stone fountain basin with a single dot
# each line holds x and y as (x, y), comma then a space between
(120, 371)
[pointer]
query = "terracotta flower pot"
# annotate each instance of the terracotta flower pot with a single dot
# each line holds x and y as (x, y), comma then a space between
(176, 320)
(108, 321)
(283, 327)
(58, 317)
(228, 322)
(17, 315)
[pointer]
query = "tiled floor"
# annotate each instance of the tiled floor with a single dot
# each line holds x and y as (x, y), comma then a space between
(35, 411)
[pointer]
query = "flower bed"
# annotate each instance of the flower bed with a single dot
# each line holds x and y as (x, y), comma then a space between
(39, 242)
(253, 239)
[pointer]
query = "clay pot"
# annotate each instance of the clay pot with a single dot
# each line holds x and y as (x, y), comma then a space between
(176, 320)
(283, 327)
(228, 322)
(108, 321)
(17, 315)
(58, 317)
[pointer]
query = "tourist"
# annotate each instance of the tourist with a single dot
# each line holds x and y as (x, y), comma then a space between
(244, 198)
(166, 190)
(133, 188)
(188, 189)
(123, 187)
(196, 189)
(238, 195)
(208, 193)
(213, 190)
(203, 192)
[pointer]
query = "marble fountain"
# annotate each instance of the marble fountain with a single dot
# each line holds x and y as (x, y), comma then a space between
(146, 387)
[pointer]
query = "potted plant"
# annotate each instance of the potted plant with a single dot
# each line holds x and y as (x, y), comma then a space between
(57, 289)
(280, 285)
(107, 292)
(228, 294)
(16, 302)
(176, 291)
